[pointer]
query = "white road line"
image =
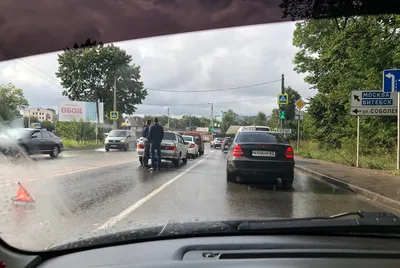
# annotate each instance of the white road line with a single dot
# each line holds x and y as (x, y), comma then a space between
(114, 220)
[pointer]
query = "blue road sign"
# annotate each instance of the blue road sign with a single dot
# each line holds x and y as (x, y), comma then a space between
(391, 80)
(283, 99)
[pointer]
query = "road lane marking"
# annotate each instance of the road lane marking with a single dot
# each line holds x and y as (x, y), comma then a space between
(114, 220)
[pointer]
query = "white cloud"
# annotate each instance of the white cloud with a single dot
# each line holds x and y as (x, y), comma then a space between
(193, 61)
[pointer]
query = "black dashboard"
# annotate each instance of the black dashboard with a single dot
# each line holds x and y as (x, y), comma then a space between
(229, 251)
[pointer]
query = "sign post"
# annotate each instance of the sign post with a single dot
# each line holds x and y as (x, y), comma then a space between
(300, 105)
(358, 141)
(391, 84)
(371, 103)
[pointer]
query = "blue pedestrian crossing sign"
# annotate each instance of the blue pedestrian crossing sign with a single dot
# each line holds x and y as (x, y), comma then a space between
(391, 80)
(283, 99)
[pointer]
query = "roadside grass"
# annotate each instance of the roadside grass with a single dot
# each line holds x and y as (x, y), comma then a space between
(380, 160)
(68, 144)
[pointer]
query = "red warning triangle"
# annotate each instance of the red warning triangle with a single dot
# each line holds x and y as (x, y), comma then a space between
(22, 195)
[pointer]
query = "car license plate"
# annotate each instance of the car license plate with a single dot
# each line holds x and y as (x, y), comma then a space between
(113, 145)
(264, 153)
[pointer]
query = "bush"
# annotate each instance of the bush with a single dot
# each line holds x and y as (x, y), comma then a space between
(81, 144)
(78, 131)
(378, 158)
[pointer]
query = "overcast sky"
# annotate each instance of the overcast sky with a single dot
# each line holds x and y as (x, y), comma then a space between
(195, 61)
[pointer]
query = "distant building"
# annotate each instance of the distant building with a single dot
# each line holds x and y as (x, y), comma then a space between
(40, 113)
(134, 123)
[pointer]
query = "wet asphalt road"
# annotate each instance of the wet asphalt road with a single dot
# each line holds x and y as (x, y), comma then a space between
(86, 193)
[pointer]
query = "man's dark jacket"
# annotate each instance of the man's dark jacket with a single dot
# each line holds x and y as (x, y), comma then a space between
(145, 131)
(156, 135)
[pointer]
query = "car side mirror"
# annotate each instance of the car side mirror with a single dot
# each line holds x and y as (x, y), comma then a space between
(186, 142)
(34, 136)
(129, 136)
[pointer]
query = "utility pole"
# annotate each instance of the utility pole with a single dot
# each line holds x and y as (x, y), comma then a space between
(212, 114)
(168, 117)
(282, 92)
(115, 101)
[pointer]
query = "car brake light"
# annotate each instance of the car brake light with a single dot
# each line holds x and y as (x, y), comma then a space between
(192, 145)
(289, 153)
(237, 151)
(140, 146)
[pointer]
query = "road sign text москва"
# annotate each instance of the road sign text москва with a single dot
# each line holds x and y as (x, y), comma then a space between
(372, 102)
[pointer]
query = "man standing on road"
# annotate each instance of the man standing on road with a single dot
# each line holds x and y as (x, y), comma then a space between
(156, 135)
(145, 135)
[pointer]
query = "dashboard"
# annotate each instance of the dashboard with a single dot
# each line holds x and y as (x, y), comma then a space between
(228, 251)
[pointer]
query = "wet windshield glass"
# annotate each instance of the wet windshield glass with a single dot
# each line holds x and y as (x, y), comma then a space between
(317, 84)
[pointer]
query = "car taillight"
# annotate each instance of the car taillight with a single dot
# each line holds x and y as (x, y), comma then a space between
(140, 146)
(192, 145)
(237, 151)
(289, 153)
(169, 148)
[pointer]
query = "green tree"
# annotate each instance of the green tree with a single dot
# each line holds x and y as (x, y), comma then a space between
(261, 119)
(12, 100)
(273, 121)
(88, 74)
(228, 120)
(34, 119)
(341, 55)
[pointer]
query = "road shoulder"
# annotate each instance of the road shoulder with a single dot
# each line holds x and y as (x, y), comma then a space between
(379, 187)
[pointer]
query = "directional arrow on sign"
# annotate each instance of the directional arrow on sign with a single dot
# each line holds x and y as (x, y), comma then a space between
(356, 111)
(357, 98)
(392, 78)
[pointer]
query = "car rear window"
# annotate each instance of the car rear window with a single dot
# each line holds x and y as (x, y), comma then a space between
(260, 137)
(169, 136)
(262, 129)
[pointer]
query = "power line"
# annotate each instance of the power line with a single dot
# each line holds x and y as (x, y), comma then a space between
(204, 104)
(215, 90)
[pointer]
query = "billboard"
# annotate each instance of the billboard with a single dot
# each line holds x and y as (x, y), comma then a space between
(69, 110)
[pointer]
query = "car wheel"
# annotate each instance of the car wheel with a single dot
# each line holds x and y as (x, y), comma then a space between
(184, 160)
(177, 162)
(230, 176)
(107, 149)
(126, 147)
(287, 182)
(55, 151)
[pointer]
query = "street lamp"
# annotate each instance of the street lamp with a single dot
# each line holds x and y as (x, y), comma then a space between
(212, 112)
(168, 116)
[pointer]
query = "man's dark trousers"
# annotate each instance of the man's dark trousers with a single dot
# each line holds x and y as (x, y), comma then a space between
(146, 153)
(156, 148)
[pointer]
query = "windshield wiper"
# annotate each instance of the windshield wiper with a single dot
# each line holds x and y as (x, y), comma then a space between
(364, 221)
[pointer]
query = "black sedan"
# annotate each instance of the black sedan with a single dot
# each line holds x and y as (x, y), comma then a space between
(31, 141)
(260, 153)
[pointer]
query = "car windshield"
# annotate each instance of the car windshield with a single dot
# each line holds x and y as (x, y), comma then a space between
(326, 89)
(188, 138)
(169, 136)
(259, 137)
(118, 133)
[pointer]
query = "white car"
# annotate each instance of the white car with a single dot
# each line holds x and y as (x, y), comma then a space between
(193, 148)
(173, 148)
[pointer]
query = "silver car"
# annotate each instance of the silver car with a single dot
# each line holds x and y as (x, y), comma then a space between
(173, 148)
